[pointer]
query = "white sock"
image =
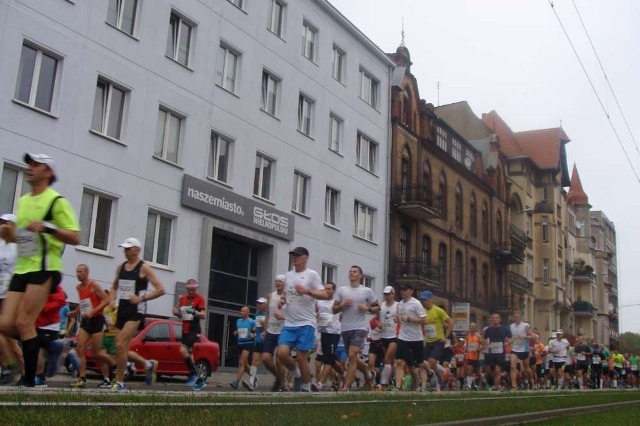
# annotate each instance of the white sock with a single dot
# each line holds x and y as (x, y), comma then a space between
(252, 371)
(296, 373)
(560, 382)
(580, 382)
(469, 381)
(305, 386)
(386, 374)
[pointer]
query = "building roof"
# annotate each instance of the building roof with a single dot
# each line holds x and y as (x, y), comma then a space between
(508, 144)
(543, 146)
(576, 195)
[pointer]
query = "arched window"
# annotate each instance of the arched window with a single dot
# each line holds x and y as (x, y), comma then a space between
(459, 207)
(405, 174)
(407, 108)
(473, 278)
(442, 261)
(442, 189)
(459, 276)
(426, 254)
(473, 216)
(427, 187)
(404, 243)
(499, 225)
(485, 282)
(485, 223)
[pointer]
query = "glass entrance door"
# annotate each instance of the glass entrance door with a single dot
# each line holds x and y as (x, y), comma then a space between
(221, 325)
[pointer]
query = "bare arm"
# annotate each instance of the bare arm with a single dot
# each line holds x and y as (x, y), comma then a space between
(147, 272)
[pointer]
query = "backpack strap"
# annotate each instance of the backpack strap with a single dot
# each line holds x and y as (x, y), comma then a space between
(49, 216)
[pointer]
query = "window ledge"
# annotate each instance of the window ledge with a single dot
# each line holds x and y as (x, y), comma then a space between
(171, 163)
(269, 114)
(336, 152)
(306, 135)
(122, 31)
(187, 67)
(31, 107)
(159, 266)
(297, 213)
(364, 239)
(257, 197)
(98, 252)
(227, 90)
(109, 138)
(277, 35)
(367, 170)
(218, 182)
(334, 227)
(374, 107)
(341, 82)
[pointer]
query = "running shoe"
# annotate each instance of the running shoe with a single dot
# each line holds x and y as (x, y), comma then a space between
(200, 384)
(315, 387)
(234, 384)
(81, 382)
(297, 384)
(106, 384)
(248, 384)
(152, 370)
(118, 387)
(41, 382)
(275, 387)
(193, 379)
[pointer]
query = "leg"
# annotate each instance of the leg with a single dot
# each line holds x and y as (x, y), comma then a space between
(123, 338)
(83, 339)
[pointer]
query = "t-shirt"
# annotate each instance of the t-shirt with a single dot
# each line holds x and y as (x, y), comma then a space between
(496, 337)
(190, 322)
(36, 250)
(111, 316)
(410, 331)
(434, 329)
(261, 316)
(558, 349)
(389, 320)
(634, 360)
(275, 324)
(244, 327)
(472, 344)
(8, 257)
(581, 353)
(352, 317)
(618, 359)
(327, 321)
(519, 337)
(300, 308)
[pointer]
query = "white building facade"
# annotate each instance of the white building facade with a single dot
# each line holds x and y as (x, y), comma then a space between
(220, 133)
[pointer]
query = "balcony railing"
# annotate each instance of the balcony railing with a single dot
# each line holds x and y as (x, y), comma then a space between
(417, 202)
(509, 253)
(520, 282)
(584, 274)
(417, 270)
(518, 235)
(583, 308)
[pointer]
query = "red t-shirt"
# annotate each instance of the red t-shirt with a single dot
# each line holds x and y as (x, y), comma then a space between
(197, 302)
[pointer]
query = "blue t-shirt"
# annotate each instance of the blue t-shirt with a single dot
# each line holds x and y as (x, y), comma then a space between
(245, 327)
(260, 317)
(64, 314)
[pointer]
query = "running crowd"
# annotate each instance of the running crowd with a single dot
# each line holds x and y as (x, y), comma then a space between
(404, 343)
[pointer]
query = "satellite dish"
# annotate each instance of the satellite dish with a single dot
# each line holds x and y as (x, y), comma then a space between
(467, 162)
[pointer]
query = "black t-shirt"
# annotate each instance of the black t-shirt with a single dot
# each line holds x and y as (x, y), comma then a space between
(496, 337)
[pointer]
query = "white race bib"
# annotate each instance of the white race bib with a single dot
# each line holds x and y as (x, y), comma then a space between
(85, 306)
(581, 357)
(275, 325)
(634, 367)
(389, 323)
(294, 297)
(472, 347)
(324, 319)
(243, 333)
(126, 289)
(496, 347)
(595, 359)
(5, 279)
(260, 320)
(28, 243)
(430, 331)
(184, 314)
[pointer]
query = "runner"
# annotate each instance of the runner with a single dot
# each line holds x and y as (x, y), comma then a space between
(275, 322)
(521, 333)
(583, 356)
(474, 344)
(412, 317)
(596, 365)
(244, 332)
(191, 309)
(496, 336)
(558, 348)
(258, 342)
(435, 339)
(329, 327)
(388, 334)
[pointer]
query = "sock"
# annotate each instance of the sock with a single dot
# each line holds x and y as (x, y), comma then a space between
(296, 373)
(30, 349)
(149, 364)
(560, 382)
(386, 374)
(580, 382)
(189, 364)
(253, 371)
(305, 386)
(469, 381)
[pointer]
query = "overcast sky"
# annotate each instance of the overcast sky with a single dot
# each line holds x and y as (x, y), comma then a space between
(512, 56)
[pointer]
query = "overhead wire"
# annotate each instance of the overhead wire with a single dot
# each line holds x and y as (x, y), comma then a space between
(595, 91)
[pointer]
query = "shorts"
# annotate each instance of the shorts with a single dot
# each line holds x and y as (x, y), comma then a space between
(447, 355)
(301, 338)
(473, 363)
(270, 343)
(93, 325)
(569, 369)
(411, 352)
(329, 343)
(19, 282)
(122, 319)
(635, 373)
(341, 353)
(245, 347)
(522, 356)
(494, 360)
(354, 338)
(434, 350)
(376, 348)
(557, 365)
(540, 370)
(387, 342)
(46, 336)
(109, 345)
(582, 366)
(190, 339)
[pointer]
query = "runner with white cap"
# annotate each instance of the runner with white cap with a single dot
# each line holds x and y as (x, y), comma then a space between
(274, 323)
(388, 334)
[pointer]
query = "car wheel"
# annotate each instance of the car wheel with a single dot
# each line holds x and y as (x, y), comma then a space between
(203, 369)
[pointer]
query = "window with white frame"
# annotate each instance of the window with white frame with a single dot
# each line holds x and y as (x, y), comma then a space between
(300, 200)
(13, 185)
(237, 3)
(270, 92)
(108, 109)
(179, 39)
(227, 69)
(305, 114)
(331, 206)
(95, 220)
(339, 64)
(364, 217)
(122, 15)
(168, 135)
(368, 281)
(335, 132)
(277, 17)
(367, 153)
(456, 150)
(37, 78)
(157, 239)
(441, 138)
(309, 41)
(530, 268)
(545, 271)
(368, 88)
(219, 158)
(329, 272)
(262, 177)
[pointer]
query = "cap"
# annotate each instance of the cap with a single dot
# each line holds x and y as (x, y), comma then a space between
(42, 159)
(130, 242)
(299, 251)
(262, 300)
(280, 277)
(559, 332)
(9, 217)
(426, 295)
(405, 287)
(192, 286)
(388, 289)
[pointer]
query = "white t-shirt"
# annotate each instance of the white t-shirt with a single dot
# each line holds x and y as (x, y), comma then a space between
(411, 331)
(519, 337)
(8, 256)
(301, 309)
(389, 320)
(327, 321)
(352, 317)
(275, 325)
(558, 349)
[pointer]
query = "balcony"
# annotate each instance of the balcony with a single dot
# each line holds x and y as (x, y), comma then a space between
(417, 272)
(519, 283)
(582, 271)
(509, 253)
(543, 207)
(505, 305)
(417, 202)
(584, 309)
(518, 236)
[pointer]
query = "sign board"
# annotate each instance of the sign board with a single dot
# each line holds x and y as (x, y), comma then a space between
(460, 313)
(216, 201)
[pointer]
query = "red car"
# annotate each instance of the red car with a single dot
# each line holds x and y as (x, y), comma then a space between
(160, 340)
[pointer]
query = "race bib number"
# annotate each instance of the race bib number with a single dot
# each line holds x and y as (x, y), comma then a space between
(126, 289)
(472, 347)
(186, 316)
(85, 306)
(595, 359)
(634, 368)
(581, 357)
(430, 331)
(294, 297)
(275, 325)
(5, 278)
(496, 347)
(28, 243)
(388, 323)
(260, 320)
(325, 319)
(243, 333)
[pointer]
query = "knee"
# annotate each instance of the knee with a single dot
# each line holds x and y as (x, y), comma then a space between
(23, 325)
(122, 346)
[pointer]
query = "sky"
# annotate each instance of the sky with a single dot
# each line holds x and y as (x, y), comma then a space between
(513, 56)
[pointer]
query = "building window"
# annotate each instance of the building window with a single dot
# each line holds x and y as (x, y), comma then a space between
(545, 271)
(545, 230)
(405, 173)
(108, 109)
(485, 223)
(473, 278)
(270, 93)
(442, 260)
(339, 64)
(441, 138)
(300, 193)
(456, 150)
(309, 41)
(368, 281)
(157, 238)
(331, 206)
(335, 132)
(426, 182)
(367, 153)
(305, 114)
(179, 39)
(37, 78)
(13, 185)
(219, 152)
(444, 197)
(404, 243)
(426, 253)
(237, 3)
(95, 220)
(473, 216)
(169, 134)
(329, 273)
(485, 281)
(276, 19)
(227, 70)
(459, 212)
(459, 279)
(499, 230)
(122, 15)
(364, 217)
(530, 268)
(262, 177)
(368, 88)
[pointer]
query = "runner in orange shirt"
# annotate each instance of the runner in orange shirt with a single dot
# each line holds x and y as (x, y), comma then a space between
(473, 345)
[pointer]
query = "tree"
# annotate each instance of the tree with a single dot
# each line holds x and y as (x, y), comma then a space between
(630, 342)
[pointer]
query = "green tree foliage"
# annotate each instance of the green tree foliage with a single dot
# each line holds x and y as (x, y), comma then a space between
(630, 342)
